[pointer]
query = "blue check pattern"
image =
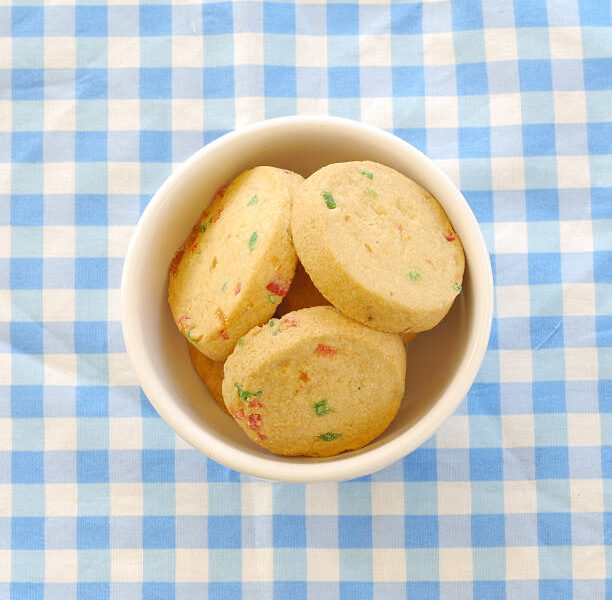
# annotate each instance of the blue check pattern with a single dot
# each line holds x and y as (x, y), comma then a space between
(512, 498)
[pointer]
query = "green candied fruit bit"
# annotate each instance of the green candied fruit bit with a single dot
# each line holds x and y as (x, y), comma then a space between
(193, 339)
(367, 173)
(373, 193)
(203, 227)
(254, 200)
(272, 298)
(414, 275)
(329, 199)
(457, 287)
(240, 341)
(321, 409)
(330, 436)
(272, 322)
(244, 395)
(224, 286)
(252, 241)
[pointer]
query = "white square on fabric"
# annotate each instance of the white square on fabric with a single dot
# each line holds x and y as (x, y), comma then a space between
(312, 106)
(187, 114)
(6, 439)
(249, 109)
(441, 111)
(59, 115)
(573, 172)
(513, 301)
(589, 562)
(438, 48)
(258, 564)
(5, 244)
(6, 115)
(323, 564)
(576, 236)
(505, 109)
(454, 497)
(522, 562)
(61, 499)
(581, 364)
(124, 53)
(59, 177)
(451, 167)
(565, 42)
(257, 498)
(123, 115)
(58, 305)
(5, 367)
(375, 50)
(60, 52)
(454, 432)
(58, 241)
(322, 499)
(126, 499)
(123, 178)
(119, 237)
(518, 431)
(570, 107)
(310, 51)
(583, 429)
(456, 564)
(114, 306)
(60, 433)
(500, 44)
(5, 305)
(60, 369)
(586, 495)
(511, 238)
(508, 173)
(5, 566)
(520, 497)
(187, 51)
(191, 498)
(192, 564)
(389, 564)
(6, 498)
(388, 498)
(377, 112)
(515, 365)
(249, 49)
(6, 53)
(120, 371)
(5, 178)
(125, 433)
(61, 566)
(126, 564)
(579, 299)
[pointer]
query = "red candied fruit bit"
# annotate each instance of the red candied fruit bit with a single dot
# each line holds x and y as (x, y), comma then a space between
(451, 237)
(237, 290)
(286, 171)
(194, 247)
(254, 403)
(239, 414)
(254, 421)
(217, 214)
(183, 319)
(221, 192)
(223, 333)
(261, 435)
(289, 322)
(280, 289)
(323, 350)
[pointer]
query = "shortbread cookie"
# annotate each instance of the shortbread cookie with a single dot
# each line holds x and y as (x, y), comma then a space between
(314, 383)
(210, 372)
(237, 264)
(378, 246)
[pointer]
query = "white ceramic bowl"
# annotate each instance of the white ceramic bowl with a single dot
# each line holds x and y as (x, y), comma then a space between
(442, 363)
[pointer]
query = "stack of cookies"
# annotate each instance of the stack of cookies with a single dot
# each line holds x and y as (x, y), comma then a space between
(308, 357)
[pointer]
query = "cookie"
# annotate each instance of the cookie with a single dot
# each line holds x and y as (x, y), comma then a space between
(301, 294)
(237, 264)
(314, 383)
(210, 372)
(378, 246)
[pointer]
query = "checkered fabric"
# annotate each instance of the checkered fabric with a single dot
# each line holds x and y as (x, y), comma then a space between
(98, 497)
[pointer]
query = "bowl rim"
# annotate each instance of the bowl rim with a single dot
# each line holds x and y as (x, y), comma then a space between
(340, 467)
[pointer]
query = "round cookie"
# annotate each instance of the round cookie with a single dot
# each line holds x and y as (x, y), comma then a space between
(314, 383)
(210, 372)
(302, 294)
(378, 246)
(237, 264)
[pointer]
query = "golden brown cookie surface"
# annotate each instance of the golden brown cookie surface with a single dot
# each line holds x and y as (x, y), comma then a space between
(210, 372)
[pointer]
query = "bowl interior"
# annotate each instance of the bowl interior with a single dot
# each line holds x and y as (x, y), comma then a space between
(434, 357)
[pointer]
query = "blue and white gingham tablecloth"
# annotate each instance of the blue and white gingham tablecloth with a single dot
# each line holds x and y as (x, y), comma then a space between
(100, 500)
